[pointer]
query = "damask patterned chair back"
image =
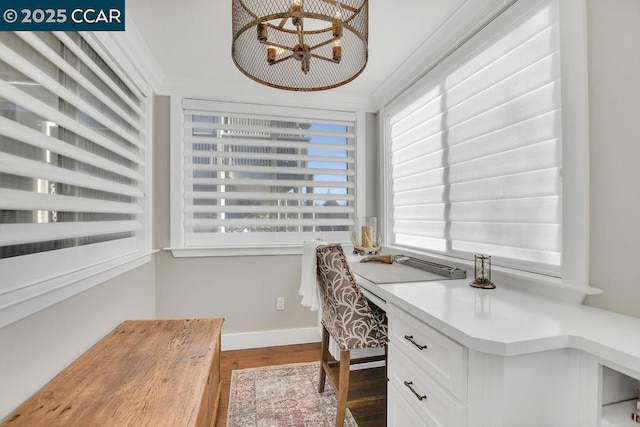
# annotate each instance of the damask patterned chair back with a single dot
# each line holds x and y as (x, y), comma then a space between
(354, 323)
(350, 318)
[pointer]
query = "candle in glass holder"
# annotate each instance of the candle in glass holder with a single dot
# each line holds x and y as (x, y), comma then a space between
(367, 236)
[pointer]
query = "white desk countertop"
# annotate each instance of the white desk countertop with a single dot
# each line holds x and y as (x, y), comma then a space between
(508, 322)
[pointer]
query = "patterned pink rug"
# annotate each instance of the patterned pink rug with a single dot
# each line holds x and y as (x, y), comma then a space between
(284, 395)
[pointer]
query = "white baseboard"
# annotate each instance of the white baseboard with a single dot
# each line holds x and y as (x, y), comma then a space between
(270, 338)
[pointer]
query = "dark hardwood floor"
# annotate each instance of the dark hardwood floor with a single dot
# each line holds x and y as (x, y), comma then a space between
(366, 416)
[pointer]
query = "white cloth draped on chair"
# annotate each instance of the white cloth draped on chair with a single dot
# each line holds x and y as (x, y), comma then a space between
(308, 275)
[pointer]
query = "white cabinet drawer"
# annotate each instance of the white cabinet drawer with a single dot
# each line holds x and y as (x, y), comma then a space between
(445, 360)
(420, 392)
(399, 412)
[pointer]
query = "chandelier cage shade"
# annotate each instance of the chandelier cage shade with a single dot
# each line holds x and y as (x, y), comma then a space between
(300, 45)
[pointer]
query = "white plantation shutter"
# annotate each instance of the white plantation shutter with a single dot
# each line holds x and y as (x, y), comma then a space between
(72, 160)
(474, 151)
(272, 177)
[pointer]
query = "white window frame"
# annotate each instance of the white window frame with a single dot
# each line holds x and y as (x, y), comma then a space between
(177, 204)
(573, 284)
(121, 51)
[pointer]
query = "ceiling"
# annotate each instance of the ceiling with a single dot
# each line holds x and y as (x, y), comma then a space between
(191, 43)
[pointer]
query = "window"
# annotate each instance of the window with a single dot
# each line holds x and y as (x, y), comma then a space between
(72, 163)
(476, 151)
(264, 176)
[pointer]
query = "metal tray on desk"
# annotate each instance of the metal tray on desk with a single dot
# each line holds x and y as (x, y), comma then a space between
(440, 269)
(408, 270)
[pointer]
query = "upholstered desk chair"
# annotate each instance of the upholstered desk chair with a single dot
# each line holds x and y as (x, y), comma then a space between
(351, 320)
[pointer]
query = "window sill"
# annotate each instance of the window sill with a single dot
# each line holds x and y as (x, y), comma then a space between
(20, 303)
(552, 287)
(227, 251)
(245, 250)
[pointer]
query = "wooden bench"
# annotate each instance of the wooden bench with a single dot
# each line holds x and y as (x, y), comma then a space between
(144, 373)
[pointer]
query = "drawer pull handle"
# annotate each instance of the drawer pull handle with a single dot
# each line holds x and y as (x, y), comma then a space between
(412, 341)
(409, 385)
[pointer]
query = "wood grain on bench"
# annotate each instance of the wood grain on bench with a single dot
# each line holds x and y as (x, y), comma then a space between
(144, 373)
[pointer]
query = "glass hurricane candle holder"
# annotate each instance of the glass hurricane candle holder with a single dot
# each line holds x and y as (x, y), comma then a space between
(366, 239)
(368, 230)
(482, 272)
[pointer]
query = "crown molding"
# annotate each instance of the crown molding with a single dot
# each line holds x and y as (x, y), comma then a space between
(469, 18)
(253, 93)
(130, 51)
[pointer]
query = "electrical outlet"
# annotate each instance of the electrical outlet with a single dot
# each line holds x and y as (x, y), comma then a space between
(280, 303)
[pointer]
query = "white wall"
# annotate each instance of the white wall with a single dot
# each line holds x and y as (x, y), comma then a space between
(35, 349)
(243, 290)
(614, 98)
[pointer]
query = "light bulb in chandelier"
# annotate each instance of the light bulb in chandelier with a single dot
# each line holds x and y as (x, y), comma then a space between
(262, 32)
(296, 13)
(271, 55)
(337, 51)
(337, 30)
(302, 53)
(306, 65)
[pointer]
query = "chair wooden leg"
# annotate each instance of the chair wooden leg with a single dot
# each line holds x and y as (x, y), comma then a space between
(343, 387)
(324, 358)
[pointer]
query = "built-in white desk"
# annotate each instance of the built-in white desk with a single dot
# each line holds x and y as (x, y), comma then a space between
(503, 357)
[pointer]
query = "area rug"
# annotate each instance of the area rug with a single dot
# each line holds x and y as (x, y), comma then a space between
(283, 395)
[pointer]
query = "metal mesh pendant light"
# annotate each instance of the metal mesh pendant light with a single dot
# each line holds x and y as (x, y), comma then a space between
(302, 45)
